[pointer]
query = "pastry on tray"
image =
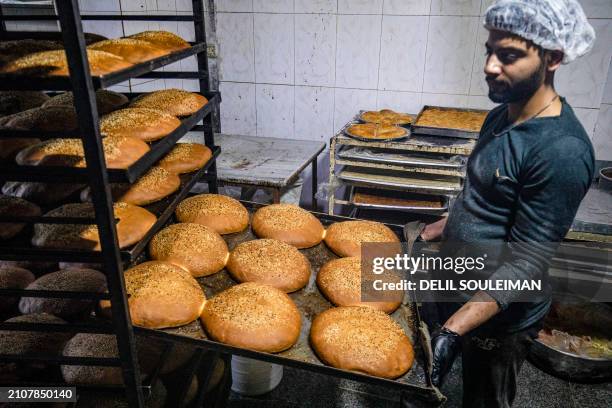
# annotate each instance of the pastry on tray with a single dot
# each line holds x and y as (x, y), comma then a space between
(376, 131)
(386, 116)
(452, 119)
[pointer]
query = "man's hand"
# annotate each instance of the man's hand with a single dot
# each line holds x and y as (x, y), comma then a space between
(434, 230)
(445, 345)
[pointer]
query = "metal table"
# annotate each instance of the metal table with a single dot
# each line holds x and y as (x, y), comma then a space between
(266, 162)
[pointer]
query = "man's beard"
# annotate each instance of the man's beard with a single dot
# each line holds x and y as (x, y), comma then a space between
(519, 91)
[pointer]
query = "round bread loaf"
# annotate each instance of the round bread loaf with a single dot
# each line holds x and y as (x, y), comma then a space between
(161, 295)
(133, 224)
(196, 248)
(14, 206)
(73, 280)
(31, 342)
(361, 339)
(171, 101)
(40, 193)
(253, 316)
(345, 238)
(186, 157)
(162, 39)
(340, 281)
(270, 262)
(18, 101)
(12, 277)
(37, 267)
(49, 119)
(11, 50)
(288, 223)
(54, 63)
(130, 49)
(106, 101)
(10, 147)
(223, 214)
(141, 123)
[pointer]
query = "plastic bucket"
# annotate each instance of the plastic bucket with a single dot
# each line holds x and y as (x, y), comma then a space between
(254, 377)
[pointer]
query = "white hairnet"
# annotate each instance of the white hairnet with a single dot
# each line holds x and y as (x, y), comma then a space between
(552, 24)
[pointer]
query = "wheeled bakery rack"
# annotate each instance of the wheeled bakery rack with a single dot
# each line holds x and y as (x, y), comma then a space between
(84, 85)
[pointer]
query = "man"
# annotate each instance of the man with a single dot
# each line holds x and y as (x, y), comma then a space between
(532, 165)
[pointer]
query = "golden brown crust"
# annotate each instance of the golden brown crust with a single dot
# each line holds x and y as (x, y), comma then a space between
(17, 101)
(51, 118)
(13, 277)
(270, 262)
(145, 124)
(186, 157)
(176, 102)
(133, 224)
(223, 214)
(194, 247)
(288, 223)
(253, 316)
(340, 281)
(345, 238)
(361, 339)
(14, 49)
(162, 39)
(130, 49)
(14, 206)
(386, 116)
(107, 101)
(452, 119)
(376, 131)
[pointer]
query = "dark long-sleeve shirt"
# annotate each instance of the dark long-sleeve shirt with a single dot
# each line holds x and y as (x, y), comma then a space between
(523, 186)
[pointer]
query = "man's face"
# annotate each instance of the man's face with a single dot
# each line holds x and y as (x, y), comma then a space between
(514, 69)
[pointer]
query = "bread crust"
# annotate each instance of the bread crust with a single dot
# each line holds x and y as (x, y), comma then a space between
(14, 206)
(288, 223)
(223, 214)
(186, 157)
(345, 238)
(176, 102)
(147, 125)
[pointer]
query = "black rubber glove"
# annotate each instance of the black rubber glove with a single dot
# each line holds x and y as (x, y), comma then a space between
(445, 346)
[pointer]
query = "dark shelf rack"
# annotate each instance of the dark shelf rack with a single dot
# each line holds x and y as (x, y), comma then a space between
(113, 259)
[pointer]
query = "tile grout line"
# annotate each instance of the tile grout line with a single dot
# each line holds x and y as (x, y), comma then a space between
(379, 52)
(254, 72)
(335, 71)
(469, 85)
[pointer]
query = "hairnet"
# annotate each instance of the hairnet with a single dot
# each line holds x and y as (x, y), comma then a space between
(552, 24)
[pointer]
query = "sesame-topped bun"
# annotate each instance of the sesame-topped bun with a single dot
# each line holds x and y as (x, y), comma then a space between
(13, 277)
(270, 262)
(361, 339)
(73, 280)
(194, 247)
(223, 214)
(33, 342)
(53, 63)
(162, 39)
(288, 223)
(345, 238)
(186, 157)
(51, 118)
(107, 101)
(11, 146)
(40, 193)
(340, 281)
(14, 206)
(144, 124)
(130, 49)
(11, 50)
(18, 101)
(133, 224)
(171, 101)
(161, 295)
(253, 316)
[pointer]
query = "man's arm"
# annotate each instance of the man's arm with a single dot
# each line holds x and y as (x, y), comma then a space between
(434, 230)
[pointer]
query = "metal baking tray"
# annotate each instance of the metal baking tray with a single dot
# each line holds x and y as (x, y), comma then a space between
(448, 132)
(393, 194)
(365, 139)
(390, 157)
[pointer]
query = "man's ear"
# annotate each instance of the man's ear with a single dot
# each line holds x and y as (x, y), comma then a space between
(553, 60)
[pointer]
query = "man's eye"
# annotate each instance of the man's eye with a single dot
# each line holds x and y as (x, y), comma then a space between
(508, 58)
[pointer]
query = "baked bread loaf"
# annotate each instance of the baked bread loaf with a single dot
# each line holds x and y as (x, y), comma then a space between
(31, 342)
(253, 316)
(37, 267)
(54, 63)
(196, 248)
(162, 39)
(133, 224)
(44, 194)
(270, 262)
(14, 206)
(13, 49)
(186, 157)
(340, 281)
(387, 117)
(18, 101)
(145, 124)
(49, 119)
(106, 101)
(12, 277)
(73, 280)
(345, 238)
(130, 49)
(10, 147)
(171, 101)
(452, 118)
(161, 295)
(376, 131)
(223, 214)
(361, 339)
(288, 223)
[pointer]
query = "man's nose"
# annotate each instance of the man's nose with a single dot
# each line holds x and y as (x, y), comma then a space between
(492, 65)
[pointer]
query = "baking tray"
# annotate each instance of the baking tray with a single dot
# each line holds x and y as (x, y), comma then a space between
(390, 157)
(310, 302)
(406, 125)
(364, 139)
(392, 194)
(447, 132)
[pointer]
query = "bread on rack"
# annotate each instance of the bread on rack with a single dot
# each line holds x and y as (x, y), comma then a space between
(376, 131)
(186, 157)
(130, 49)
(14, 206)
(386, 116)
(172, 101)
(253, 316)
(10, 147)
(134, 222)
(223, 214)
(17, 342)
(72, 280)
(41, 193)
(161, 295)
(270, 262)
(345, 238)
(106, 101)
(361, 339)
(47, 119)
(145, 124)
(288, 223)
(13, 277)
(54, 63)
(198, 249)
(17, 101)
(162, 39)
(36, 267)
(14, 49)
